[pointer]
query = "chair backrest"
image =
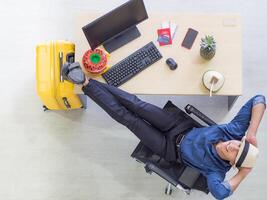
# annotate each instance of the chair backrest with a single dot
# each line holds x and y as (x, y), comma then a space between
(173, 172)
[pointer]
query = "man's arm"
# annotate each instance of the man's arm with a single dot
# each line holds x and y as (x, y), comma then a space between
(256, 116)
(238, 178)
(219, 188)
(257, 111)
(247, 119)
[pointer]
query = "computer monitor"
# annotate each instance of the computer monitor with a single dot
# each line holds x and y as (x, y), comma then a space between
(116, 28)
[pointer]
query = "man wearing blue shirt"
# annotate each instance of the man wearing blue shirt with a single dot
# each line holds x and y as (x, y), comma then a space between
(212, 150)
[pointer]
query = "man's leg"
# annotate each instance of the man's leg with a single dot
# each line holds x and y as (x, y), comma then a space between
(156, 116)
(150, 136)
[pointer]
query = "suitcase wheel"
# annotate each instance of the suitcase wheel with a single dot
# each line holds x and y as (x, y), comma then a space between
(45, 108)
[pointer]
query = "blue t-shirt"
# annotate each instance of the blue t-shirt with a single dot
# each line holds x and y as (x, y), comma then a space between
(198, 150)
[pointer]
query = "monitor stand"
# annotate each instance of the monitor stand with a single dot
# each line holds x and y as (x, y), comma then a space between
(123, 38)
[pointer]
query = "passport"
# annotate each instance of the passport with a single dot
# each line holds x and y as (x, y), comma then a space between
(164, 36)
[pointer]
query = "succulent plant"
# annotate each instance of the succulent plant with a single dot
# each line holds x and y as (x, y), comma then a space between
(207, 47)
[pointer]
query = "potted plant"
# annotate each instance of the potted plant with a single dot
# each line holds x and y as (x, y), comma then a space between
(207, 47)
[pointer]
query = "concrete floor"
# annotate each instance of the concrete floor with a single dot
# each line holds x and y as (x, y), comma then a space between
(73, 155)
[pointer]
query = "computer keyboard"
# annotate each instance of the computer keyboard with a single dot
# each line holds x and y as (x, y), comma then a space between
(132, 65)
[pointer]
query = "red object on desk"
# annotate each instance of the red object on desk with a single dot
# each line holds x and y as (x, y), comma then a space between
(164, 36)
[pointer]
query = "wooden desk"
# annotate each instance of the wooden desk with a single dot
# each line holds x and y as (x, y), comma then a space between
(186, 79)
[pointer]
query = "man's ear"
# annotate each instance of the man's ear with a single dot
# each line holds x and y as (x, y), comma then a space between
(234, 148)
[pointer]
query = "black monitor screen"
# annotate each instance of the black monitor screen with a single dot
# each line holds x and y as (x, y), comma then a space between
(114, 22)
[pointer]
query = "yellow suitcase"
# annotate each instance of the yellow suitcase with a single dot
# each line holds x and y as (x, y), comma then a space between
(56, 93)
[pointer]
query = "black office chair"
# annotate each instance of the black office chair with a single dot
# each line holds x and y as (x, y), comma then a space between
(176, 174)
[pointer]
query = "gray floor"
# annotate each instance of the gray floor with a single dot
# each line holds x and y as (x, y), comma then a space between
(85, 154)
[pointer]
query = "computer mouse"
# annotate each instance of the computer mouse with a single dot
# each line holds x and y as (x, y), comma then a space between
(171, 63)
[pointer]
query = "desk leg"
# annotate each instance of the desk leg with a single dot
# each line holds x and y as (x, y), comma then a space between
(231, 101)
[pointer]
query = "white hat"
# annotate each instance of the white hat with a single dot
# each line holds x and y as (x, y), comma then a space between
(247, 155)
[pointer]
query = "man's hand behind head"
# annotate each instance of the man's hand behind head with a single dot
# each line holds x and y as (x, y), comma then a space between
(245, 170)
(251, 138)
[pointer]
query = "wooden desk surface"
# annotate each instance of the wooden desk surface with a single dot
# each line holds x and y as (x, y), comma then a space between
(186, 79)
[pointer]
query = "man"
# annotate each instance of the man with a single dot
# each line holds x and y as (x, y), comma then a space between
(212, 150)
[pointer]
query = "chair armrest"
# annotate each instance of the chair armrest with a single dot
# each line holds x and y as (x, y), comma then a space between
(161, 173)
(191, 109)
(189, 176)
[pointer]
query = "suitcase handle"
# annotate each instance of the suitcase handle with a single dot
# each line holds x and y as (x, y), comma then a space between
(61, 65)
(69, 58)
(65, 100)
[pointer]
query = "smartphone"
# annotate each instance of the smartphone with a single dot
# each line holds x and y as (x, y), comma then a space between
(189, 38)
